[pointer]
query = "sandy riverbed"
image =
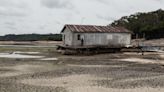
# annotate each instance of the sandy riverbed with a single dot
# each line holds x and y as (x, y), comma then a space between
(118, 72)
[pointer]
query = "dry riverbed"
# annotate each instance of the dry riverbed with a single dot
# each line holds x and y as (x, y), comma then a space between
(42, 69)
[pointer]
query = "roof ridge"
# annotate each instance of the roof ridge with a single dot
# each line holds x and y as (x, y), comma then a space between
(96, 28)
(82, 25)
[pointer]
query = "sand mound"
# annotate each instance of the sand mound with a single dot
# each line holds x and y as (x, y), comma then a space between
(70, 81)
(49, 59)
(94, 66)
(19, 70)
(82, 83)
(143, 61)
(102, 89)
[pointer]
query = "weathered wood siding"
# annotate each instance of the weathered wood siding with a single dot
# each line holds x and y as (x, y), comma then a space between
(121, 39)
(67, 37)
(105, 39)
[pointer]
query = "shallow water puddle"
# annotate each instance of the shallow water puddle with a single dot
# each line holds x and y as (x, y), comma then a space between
(26, 46)
(15, 55)
(94, 66)
(143, 61)
(49, 59)
(20, 52)
(138, 60)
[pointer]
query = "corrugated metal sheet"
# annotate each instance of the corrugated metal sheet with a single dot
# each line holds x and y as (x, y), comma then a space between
(95, 29)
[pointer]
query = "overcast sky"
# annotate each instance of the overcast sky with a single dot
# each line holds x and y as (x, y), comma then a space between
(49, 16)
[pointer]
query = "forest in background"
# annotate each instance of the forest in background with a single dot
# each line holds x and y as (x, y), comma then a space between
(31, 37)
(144, 25)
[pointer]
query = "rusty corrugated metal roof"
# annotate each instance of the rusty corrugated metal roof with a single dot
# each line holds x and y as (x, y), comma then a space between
(95, 29)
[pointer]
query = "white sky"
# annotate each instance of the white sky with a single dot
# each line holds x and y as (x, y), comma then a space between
(49, 16)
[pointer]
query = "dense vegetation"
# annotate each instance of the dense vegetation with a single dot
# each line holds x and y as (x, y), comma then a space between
(148, 25)
(31, 37)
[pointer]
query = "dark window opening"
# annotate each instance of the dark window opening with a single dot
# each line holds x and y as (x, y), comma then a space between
(78, 37)
(64, 39)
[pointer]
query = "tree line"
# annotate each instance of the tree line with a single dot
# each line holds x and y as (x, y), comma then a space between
(144, 25)
(31, 37)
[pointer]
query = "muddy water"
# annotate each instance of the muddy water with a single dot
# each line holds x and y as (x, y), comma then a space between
(15, 55)
(25, 46)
